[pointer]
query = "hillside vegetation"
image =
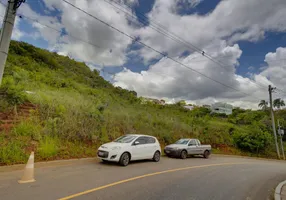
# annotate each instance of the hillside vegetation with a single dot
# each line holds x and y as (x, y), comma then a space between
(77, 110)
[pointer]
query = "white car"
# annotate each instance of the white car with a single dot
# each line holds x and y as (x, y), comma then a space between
(130, 147)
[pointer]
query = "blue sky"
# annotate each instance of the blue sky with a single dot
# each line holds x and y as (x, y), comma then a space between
(233, 32)
(253, 52)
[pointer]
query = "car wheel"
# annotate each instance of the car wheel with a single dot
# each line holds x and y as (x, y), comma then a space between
(183, 154)
(124, 159)
(207, 154)
(156, 157)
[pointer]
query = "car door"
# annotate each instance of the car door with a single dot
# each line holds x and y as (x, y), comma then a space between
(192, 147)
(151, 147)
(139, 148)
(200, 150)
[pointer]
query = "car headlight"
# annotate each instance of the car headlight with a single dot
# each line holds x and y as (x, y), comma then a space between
(115, 148)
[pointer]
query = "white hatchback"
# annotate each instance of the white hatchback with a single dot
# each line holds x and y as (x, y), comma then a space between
(130, 147)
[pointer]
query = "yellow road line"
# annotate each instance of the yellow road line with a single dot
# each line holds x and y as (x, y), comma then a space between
(143, 176)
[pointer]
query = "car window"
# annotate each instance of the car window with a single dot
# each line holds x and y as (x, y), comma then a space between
(142, 140)
(192, 143)
(125, 139)
(182, 141)
(199, 143)
(151, 140)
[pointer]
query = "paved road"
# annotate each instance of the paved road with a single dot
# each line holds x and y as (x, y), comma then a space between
(219, 177)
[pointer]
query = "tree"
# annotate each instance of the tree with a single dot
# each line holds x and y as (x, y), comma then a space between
(181, 103)
(263, 104)
(278, 103)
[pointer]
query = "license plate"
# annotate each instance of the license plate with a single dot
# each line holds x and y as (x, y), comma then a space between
(100, 153)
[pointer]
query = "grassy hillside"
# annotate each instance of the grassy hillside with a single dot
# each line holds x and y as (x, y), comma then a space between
(78, 110)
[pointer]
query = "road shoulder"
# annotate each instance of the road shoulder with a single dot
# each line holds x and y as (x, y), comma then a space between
(54, 163)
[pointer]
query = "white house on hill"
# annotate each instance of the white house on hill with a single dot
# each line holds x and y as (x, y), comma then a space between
(222, 108)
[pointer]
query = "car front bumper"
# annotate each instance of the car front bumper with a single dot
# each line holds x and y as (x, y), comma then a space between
(108, 155)
(172, 152)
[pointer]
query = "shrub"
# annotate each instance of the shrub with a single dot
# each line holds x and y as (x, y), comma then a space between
(28, 128)
(48, 147)
(254, 141)
(12, 92)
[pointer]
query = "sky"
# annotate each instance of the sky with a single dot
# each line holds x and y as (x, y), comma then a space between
(211, 50)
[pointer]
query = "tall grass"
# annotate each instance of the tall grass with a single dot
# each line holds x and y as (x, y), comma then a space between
(11, 151)
(48, 147)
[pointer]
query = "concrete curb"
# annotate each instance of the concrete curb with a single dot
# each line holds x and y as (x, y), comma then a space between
(278, 190)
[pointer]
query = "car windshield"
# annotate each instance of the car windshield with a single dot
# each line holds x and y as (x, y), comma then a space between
(125, 139)
(182, 141)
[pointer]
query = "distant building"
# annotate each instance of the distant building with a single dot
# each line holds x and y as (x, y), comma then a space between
(222, 108)
(207, 106)
(189, 107)
(156, 101)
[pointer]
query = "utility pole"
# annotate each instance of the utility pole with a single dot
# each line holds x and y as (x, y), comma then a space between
(271, 89)
(281, 133)
(6, 32)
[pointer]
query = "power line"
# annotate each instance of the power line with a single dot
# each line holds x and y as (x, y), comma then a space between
(135, 40)
(60, 31)
(181, 40)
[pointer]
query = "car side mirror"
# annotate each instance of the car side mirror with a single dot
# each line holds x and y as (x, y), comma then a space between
(136, 143)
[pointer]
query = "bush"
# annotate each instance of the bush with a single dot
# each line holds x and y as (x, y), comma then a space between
(12, 92)
(254, 141)
(28, 128)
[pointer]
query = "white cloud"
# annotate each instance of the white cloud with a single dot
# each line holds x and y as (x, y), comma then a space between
(216, 33)
(173, 82)
(46, 33)
(233, 20)
(276, 70)
(169, 79)
(112, 45)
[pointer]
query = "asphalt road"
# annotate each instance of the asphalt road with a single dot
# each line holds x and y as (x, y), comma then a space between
(219, 177)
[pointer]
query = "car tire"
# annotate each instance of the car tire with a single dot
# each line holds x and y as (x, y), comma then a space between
(124, 159)
(156, 157)
(183, 154)
(206, 154)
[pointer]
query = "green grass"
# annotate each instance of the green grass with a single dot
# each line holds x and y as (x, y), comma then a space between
(48, 147)
(12, 152)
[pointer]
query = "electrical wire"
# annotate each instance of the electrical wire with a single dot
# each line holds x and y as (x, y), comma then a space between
(133, 38)
(164, 55)
(174, 37)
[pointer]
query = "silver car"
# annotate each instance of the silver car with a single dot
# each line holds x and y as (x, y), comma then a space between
(184, 147)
